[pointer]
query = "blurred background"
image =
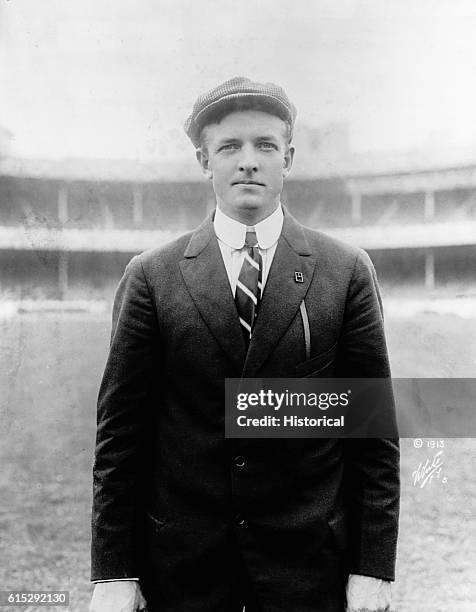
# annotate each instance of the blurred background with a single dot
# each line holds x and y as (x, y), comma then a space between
(95, 167)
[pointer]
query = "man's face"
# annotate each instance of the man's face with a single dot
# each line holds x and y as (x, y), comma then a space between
(247, 157)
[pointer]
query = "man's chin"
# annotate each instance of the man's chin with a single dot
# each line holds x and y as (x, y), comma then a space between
(251, 211)
(252, 202)
(249, 204)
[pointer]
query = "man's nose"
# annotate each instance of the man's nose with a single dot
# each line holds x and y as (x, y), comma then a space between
(248, 161)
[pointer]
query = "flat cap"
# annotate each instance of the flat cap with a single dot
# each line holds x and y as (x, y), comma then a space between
(238, 93)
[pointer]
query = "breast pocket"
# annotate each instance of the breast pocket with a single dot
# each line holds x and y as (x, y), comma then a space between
(321, 365)
(338, 528)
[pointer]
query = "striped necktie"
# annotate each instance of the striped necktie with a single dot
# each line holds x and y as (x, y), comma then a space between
(249, 284)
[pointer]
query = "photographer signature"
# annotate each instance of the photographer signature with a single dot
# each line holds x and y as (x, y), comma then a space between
(428, 470)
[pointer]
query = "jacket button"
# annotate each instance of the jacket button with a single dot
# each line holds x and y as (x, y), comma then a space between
(240, 461)
(240, 522)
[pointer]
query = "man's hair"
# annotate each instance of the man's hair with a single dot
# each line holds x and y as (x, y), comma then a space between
(242, 104)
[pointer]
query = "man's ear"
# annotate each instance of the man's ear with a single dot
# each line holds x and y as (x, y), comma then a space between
(202, 158)
(288, 161)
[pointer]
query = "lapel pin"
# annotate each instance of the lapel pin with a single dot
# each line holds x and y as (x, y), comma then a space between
(298, 277)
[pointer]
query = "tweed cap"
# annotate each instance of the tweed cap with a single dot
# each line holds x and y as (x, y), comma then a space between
(238, 93)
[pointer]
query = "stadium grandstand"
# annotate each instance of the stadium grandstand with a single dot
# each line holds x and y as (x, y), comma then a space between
(68, 228)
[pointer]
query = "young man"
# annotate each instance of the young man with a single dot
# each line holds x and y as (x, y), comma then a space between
(184, 518)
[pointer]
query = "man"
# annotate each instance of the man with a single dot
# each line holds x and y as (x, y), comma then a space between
(183, 518)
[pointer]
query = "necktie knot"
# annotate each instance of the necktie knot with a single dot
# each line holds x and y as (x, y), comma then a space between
(251, 240)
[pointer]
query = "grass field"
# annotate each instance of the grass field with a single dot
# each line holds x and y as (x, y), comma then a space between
(49, 375)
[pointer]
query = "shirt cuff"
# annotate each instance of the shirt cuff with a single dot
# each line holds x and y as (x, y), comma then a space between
(374, 577)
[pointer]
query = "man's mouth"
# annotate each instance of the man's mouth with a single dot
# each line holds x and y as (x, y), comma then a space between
(245, 182)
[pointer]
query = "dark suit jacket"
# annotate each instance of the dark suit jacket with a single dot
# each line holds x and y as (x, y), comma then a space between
(170, 504)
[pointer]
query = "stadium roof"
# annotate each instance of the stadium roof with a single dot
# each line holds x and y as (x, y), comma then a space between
(307, 166)
(77, 169)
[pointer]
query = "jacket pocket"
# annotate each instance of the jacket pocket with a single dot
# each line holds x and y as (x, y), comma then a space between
(154, 522)
(318, 364)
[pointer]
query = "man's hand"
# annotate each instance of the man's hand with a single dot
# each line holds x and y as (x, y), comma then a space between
(367, 594)
(117, 596)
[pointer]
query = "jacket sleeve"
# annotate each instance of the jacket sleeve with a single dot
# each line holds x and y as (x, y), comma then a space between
(372, 465)
(123, 400)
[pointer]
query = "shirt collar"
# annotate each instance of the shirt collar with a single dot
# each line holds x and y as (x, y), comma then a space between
(233, 233)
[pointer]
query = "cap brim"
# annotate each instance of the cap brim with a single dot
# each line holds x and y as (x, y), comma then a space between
(273, 104)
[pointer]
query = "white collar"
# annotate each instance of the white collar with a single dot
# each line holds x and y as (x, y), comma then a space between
(233, 233)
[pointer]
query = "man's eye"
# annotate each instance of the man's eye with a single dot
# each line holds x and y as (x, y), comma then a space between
(228, 147)
(267, 145)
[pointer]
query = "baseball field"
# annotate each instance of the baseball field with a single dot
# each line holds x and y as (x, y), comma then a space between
(49, 375)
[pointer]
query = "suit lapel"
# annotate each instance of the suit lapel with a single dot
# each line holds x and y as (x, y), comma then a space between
(283, 293)
(206, 279)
